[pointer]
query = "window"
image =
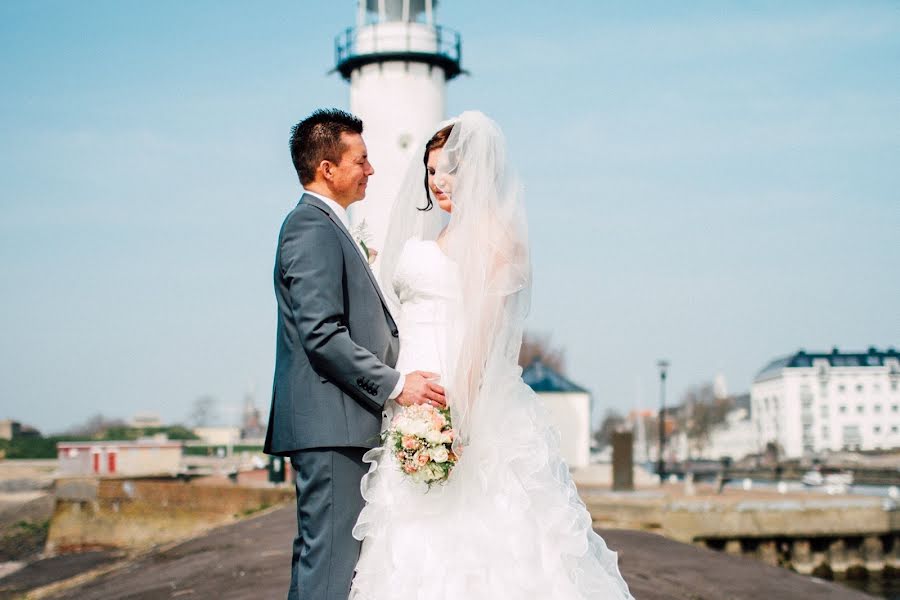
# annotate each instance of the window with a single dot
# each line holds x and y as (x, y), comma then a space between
(842, 388)
(825, 433)
(860, 409)
(842, 409)
(823, 411)
(859, 387)
(877, 429)
(877, 387)
(877, 408)
(894, 385)
(894, 429)
(895, 408)
(852, 437)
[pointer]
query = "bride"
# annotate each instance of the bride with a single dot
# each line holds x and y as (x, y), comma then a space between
(508, 523)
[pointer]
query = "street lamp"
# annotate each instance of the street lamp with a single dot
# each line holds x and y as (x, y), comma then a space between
(661, 463)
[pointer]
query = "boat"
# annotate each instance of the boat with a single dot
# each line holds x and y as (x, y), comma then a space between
(827, 477)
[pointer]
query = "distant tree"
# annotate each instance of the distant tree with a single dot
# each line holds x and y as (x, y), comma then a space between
(124, 432)
(174, 432)
(772, 453)
(538, 346)
(203, 412)
(30, 447)
(612, 422)
(94, 428)
(700, 412)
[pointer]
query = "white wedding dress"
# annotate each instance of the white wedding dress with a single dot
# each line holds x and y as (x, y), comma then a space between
(508, 524)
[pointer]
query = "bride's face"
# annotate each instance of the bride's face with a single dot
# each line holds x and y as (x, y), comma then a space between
(440, 183)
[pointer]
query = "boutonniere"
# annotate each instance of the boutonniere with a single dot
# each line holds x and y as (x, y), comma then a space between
(363, 237)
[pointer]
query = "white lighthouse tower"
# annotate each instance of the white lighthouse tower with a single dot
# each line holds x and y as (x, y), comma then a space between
(398, 62)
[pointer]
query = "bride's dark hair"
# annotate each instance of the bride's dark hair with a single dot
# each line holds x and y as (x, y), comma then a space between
(437, 141)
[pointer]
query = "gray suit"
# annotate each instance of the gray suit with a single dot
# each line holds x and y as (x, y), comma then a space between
(336, 345)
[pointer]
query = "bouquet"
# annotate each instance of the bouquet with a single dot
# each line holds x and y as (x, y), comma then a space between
(421, 437)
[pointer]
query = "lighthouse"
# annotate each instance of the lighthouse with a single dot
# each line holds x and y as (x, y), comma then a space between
(398, 61)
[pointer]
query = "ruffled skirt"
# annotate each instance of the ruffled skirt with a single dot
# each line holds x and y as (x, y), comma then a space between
(508, 524)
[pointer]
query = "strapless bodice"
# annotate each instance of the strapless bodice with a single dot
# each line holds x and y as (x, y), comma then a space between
(427, 283)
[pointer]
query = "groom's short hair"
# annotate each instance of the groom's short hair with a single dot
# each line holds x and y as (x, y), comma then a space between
(318, 137)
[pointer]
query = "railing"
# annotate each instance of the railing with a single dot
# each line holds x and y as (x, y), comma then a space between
(445, 50)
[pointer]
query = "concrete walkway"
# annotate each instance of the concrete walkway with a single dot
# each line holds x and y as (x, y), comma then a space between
(250, 560)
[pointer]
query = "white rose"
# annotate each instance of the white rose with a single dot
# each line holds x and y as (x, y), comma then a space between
(400, 424)
(439, 454)
(434, 437)
(408, 426)
(418, 429)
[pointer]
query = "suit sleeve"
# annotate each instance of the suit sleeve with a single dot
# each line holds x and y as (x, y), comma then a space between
(312, 266)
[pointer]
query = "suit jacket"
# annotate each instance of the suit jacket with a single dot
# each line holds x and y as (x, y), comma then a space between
(336, 340)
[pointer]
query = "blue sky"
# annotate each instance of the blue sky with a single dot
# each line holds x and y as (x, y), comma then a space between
(715, 183)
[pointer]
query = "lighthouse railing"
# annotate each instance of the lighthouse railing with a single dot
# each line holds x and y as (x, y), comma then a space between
(447, 42)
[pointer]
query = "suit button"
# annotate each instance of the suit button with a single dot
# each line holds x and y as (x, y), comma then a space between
(395, 333)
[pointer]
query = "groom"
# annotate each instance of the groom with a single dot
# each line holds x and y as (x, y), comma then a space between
(335, 351)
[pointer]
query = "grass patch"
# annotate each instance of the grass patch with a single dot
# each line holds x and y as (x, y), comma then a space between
(250, 511)
(24, 540)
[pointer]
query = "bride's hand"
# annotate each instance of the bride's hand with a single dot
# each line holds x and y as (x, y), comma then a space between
(420, 388)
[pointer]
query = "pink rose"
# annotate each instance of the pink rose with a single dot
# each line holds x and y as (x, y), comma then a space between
(410, 442)
(437, 420)
(423, 459)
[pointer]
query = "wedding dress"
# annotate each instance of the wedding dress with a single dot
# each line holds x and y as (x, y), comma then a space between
(508, 524)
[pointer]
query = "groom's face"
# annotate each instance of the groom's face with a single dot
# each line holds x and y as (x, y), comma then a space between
(350, 176)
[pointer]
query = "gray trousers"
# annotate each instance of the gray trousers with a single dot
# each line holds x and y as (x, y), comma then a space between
(328, 503)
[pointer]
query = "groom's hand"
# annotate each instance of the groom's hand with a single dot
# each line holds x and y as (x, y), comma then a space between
(420, 388)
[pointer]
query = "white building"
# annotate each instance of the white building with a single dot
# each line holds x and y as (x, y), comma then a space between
(397, 61)
(218, 436)
(735, 438)
(813, 402)
(569, 406)
(148, 456)
(646, 445)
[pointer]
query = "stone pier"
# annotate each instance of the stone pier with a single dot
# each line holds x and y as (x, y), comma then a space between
(251, 560)
(841, 535)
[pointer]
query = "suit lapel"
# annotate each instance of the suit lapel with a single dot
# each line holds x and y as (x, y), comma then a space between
(312, 200)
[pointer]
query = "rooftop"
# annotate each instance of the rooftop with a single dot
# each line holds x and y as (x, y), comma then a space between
(802, 359)
(542, 378)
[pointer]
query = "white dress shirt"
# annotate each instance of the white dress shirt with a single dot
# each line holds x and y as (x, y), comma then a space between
(341, 214)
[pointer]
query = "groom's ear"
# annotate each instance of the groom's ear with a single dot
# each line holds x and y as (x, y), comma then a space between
(326, 168)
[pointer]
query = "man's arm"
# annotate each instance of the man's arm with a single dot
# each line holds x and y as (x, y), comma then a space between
(312, 265)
